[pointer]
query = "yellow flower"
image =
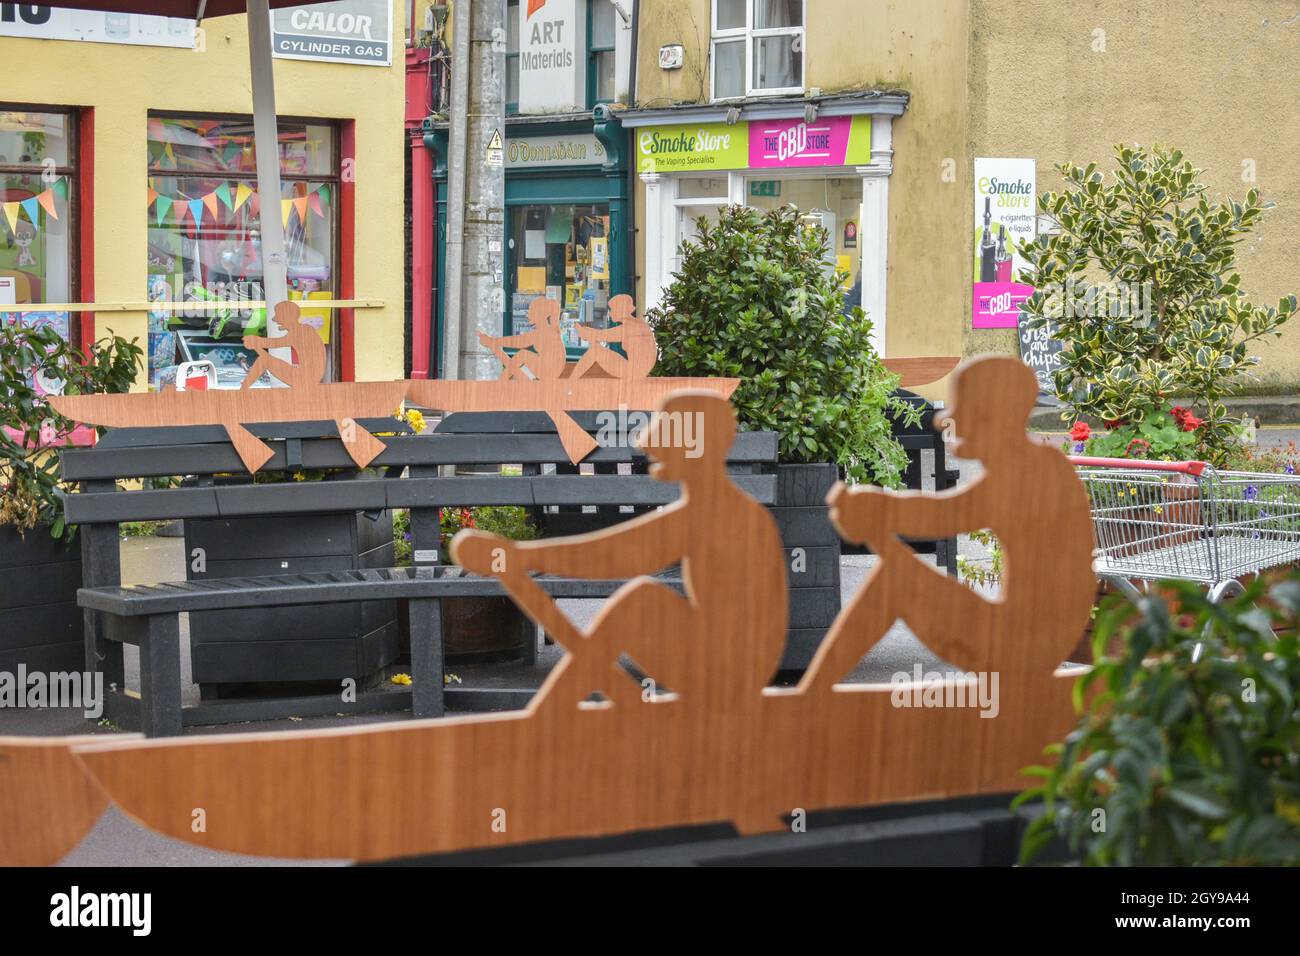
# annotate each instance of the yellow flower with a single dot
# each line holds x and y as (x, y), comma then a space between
(1159, 510)
(402, 680)
(415, 419)
(299, 476)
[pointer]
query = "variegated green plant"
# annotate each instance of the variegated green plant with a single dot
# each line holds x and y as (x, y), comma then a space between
(1172, 319)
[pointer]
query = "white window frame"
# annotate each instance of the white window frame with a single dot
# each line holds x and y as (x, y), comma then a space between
(748, 35)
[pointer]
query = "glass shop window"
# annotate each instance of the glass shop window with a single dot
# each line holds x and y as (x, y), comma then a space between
(204, 217)
(38, 215)
(561, 252)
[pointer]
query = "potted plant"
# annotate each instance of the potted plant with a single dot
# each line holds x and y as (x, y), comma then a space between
(40, 570)
(1139, 283)
(1185, 752)
(756, 300)
(475, 629)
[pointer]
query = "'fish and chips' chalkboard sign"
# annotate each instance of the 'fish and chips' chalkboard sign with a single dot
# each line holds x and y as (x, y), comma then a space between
(1040, 352)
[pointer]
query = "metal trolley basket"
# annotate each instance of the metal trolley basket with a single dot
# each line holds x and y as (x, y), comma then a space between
(1188, 521)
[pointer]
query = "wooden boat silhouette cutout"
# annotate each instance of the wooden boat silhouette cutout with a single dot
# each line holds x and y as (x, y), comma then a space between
(704, 741)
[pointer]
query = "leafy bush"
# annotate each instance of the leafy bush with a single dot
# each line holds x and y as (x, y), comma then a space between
(755, 300)
(30, 493)
(1184, 757)
(506, 520)
(1139, 285)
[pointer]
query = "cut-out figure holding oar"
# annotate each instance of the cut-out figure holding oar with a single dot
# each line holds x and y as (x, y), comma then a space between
(541, 351)
(1027, 495)
(631, 332)
(719, 644)
(308, 350)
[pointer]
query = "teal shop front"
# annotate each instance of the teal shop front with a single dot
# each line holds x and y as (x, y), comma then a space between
(568, 232)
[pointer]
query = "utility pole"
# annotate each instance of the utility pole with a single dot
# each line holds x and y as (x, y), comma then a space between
(477, 186)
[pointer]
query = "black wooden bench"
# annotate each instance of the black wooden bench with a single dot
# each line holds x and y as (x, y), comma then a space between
(408, 474)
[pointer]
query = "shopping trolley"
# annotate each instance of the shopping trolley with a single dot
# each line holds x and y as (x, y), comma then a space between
(1188, 521)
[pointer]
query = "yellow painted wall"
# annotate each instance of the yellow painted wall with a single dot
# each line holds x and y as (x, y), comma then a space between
(914, 45)
(123, 83)
(1216, 80)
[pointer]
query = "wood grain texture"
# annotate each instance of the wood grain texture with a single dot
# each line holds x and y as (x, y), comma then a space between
(708, 743)
(920, 370)
(555, 387)
(47, 802)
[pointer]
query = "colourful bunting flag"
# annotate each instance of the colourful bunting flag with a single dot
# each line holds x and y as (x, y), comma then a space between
(223, 193)
(286, 205)
(325, 193)
(210, 202)
(153, 194)
(196, 210)
(313, 200)
(242, 193)
(30, 206)
(46, 199)
(163, 206)
(11, 213)
(300, 206)
(60, 187)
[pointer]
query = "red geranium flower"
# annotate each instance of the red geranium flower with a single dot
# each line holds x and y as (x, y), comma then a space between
(1080, 431)
(1137, 448)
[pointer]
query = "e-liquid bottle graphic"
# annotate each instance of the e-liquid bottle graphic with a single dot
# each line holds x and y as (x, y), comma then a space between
(1002, 258)
(988, 252)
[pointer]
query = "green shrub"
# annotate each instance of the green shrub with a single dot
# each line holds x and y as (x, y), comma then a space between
(1183, 756)
(755, 300)
(30, 491)
(1180, 325)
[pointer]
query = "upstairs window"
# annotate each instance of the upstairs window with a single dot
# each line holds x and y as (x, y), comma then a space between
(757, 47)
(512, 56)
(601, 33)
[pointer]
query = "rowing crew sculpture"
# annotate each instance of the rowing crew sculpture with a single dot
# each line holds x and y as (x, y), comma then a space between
(659, 713)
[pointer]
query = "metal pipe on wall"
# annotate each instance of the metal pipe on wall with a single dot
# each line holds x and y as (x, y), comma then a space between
(456, 183)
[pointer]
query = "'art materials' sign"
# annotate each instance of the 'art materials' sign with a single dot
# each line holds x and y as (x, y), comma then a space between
(550, 79)
(1005, 199)
(345, 31)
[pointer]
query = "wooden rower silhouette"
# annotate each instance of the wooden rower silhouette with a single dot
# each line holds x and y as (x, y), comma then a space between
(541, 351)
(723, 746)
(308, 368)
(630, 331)
(1047, 554)
(730, 553)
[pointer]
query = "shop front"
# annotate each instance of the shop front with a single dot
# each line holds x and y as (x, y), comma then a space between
(131, 208)
(831, 161)
(567, 234)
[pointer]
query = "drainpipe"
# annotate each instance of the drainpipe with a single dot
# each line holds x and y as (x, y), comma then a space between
(456, 175)
(631, 159)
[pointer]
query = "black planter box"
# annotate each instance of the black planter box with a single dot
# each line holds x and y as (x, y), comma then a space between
(310, 642)
(803, 519)
(40, 623)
